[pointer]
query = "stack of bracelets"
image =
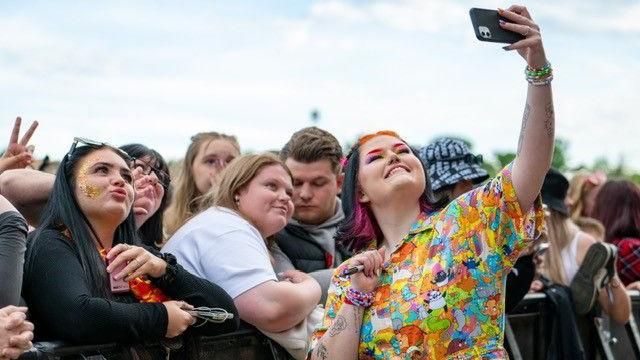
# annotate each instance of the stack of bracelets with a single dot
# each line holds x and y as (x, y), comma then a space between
(539, 77)
(358, 298)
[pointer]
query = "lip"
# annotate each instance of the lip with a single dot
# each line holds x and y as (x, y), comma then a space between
(305, 207)
(119, 194)
(395, 166)
(283, 208)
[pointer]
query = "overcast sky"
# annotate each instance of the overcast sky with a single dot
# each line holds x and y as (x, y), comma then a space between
(157, 72)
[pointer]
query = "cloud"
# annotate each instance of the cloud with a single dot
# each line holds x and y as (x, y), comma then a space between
(406, 15)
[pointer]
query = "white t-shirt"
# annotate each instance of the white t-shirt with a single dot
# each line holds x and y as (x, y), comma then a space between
(222, 247)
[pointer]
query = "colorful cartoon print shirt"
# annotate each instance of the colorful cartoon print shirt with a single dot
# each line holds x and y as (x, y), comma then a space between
(441, 295)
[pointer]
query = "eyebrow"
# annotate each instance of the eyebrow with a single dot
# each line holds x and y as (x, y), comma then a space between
(374, 151)
(110, 165)
(399, 145)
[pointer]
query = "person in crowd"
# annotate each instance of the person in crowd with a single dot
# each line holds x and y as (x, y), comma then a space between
(617, 206)
(207, 155)
(29, 191)
(87, 277)
(152, 181)
(16, 332)
(228, 244)
(575, 258)
(430, 277)
(307, 242)
(583, 189)
(453, 170)
(13, 242)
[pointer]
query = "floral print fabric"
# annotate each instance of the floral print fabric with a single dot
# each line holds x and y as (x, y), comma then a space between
(441, 294)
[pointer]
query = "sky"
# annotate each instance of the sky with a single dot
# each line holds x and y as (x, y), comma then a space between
(157, 72)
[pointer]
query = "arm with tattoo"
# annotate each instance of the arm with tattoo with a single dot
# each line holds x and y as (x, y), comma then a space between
(343, 336)
(535, 146)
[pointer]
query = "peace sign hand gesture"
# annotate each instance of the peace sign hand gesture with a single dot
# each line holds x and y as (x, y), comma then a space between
(18, 154)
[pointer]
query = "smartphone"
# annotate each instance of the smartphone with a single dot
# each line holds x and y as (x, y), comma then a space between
(487, 28)
(118, 286)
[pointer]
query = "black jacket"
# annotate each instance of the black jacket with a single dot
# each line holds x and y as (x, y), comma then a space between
(563, 337)
(62, 306)
(305, 253)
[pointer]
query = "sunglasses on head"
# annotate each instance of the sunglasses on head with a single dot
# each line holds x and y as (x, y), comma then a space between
(97, 144)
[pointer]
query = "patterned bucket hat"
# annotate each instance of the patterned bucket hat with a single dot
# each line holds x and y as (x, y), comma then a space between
(449, 161)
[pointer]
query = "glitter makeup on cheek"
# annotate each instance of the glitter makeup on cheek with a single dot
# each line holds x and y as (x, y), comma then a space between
(90, 191)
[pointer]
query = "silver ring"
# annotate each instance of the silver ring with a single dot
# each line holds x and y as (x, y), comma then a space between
(527, 33)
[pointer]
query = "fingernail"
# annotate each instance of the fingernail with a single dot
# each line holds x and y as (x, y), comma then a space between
(500, 11)
(506, 48)
(502, 22)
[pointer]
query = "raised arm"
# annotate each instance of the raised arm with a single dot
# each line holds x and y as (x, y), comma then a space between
(535, 147)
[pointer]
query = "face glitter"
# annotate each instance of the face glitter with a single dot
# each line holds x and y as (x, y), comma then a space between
(91, 191)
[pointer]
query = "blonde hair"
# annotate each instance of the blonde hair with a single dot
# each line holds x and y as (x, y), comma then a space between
(557, 226)
(579, 187)
(591, 226)
(186, 200)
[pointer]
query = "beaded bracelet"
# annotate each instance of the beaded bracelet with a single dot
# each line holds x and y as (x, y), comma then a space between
(539, 77)
(358, 298)
(538, 73)
(541, 82)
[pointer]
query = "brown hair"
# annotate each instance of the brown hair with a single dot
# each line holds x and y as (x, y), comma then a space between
(186, 200)
(313, 144)
(617, 206)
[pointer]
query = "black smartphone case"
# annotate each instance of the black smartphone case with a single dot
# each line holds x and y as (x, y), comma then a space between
(486, 26)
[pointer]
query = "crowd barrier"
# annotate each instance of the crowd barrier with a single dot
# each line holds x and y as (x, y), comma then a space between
(525, 339)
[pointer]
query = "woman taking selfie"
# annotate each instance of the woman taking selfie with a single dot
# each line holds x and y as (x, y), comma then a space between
(431, 284)
(88, 280)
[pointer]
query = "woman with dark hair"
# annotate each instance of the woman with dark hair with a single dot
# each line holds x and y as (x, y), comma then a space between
(617, 206)
(152, 192)
(29, 191)
(88, 279)
(428, 281)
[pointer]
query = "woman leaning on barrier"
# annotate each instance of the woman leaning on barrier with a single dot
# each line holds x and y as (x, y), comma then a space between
(88, 279)
(430, 280)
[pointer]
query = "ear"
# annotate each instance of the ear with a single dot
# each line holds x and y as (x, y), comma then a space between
(362, 197)
(340, 181)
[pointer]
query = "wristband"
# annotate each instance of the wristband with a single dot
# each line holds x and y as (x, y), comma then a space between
(539, 77)
(358, 298)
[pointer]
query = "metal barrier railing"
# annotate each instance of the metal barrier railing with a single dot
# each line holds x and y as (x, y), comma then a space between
(525, 338)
